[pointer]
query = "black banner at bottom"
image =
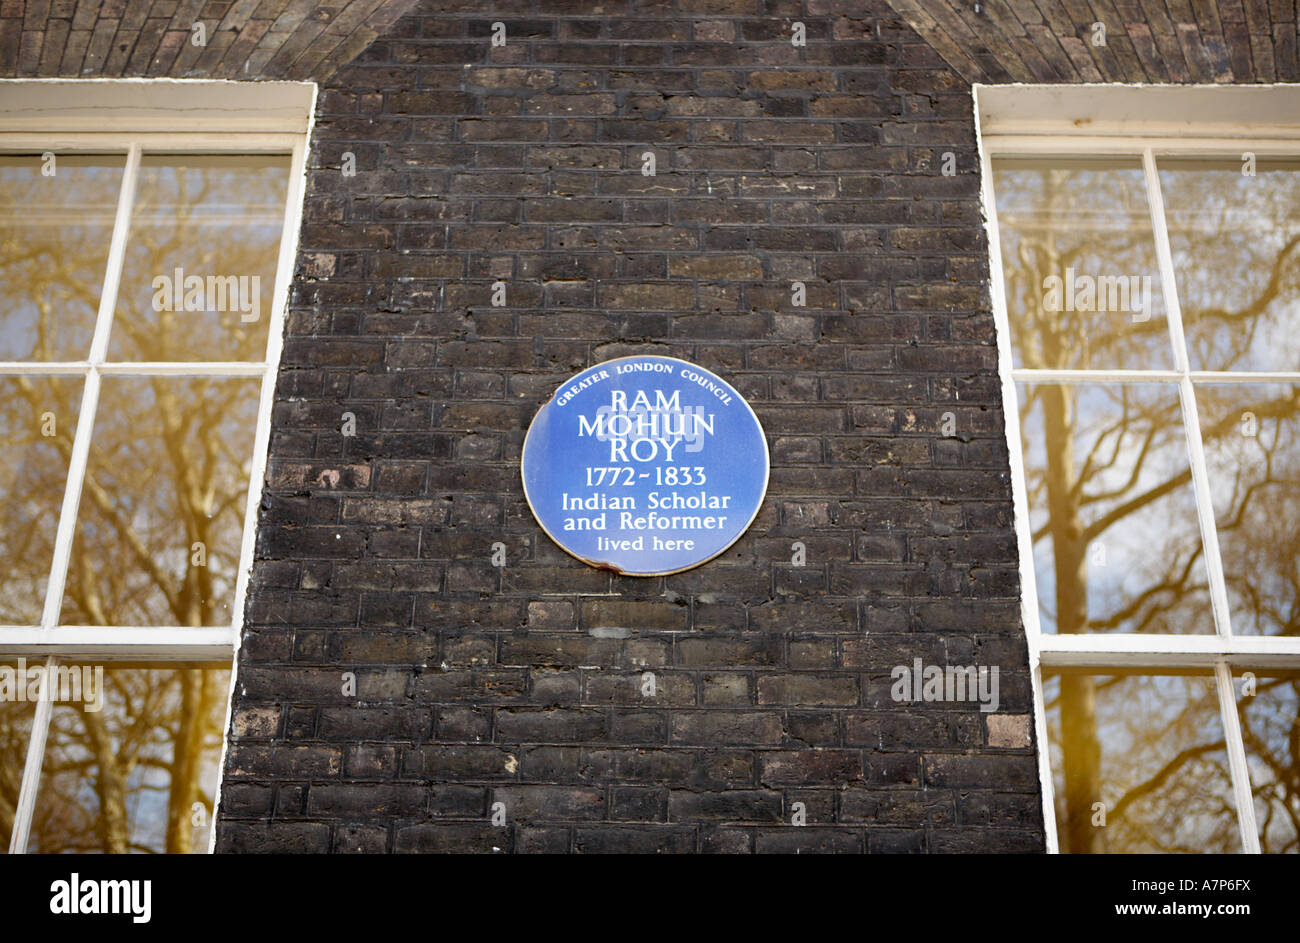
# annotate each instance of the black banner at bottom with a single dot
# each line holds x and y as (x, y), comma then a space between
(265, 894)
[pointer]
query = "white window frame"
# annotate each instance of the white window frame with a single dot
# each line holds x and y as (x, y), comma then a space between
(1144, 122)
(130, 117)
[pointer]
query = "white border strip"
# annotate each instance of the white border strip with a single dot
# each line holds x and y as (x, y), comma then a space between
(1038, 375)
(1236, 751)
(1189, 651)
(1019, 494)
(191, 368)
(163, 105)
(121, 642)
(32, 769)
(1041, 142)
(261, 441)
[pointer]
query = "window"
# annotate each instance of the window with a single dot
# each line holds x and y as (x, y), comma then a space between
(144, 272)
(1145, 261)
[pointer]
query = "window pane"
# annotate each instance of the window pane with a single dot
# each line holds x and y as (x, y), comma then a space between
(1078, 256)
(1235, 241)
(1150, 750)
(1270, 728)
(38, 421)
(1252, 452)
(55, 230)
(1117, 544)
(136, 775)
(15, 730)
(162, 508)
(199, 275)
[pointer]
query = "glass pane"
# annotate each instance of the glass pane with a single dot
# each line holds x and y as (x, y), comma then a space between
(1117, 543)
(199, 274)
(1252, 452)
(138, 775)
(38, 421)
(1268, 704)
(15, 729)
(1078, 256)
(56, 224)
(162, 508)
(1233, 238)
(1139, 764)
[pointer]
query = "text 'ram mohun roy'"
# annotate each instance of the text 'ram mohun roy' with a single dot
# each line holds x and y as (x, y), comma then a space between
(647, 430)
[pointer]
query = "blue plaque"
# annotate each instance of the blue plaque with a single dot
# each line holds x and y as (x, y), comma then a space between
(645, 466)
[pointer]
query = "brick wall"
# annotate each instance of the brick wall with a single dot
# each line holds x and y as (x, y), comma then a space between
(521, 684)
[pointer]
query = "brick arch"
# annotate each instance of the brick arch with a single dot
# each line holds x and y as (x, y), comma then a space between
(1181, 41)
(294, 39)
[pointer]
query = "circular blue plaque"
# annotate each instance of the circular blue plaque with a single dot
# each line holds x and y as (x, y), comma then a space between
(645, 466)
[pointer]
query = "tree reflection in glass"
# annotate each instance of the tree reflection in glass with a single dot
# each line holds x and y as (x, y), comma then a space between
(140, 775)
(1116, 539)
(1146, 770)
(159, 526)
